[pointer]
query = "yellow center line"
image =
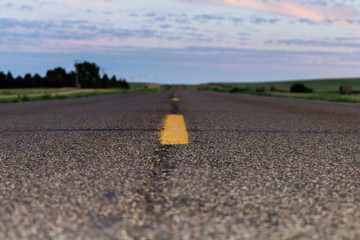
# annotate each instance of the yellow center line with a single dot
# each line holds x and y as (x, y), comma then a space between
(174, 130)
(175, 99)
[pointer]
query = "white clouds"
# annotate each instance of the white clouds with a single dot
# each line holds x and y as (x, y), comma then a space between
(97, 3)
(170, 30)
(243, 27)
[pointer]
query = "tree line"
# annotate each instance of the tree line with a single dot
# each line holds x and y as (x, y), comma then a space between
(86, 75)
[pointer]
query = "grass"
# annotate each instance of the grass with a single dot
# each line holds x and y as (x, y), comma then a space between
(323, 89)
(39, 94)
(318, 85)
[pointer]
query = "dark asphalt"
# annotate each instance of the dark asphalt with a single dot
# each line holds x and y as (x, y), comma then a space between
(255, 168)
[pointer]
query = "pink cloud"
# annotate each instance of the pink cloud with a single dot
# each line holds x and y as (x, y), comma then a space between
(284, 8)
(337, 14)
(291, 8)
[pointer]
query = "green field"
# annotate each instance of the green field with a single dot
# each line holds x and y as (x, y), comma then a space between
(320, 85)
(40, 94)
(323, 89)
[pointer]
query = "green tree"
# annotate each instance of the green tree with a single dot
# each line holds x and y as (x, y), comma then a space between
(113, 81)
(38, 80)
(2, 80)
(88, 74)
(123, 84)
(105, 81)
(9, 80)
(28, 81)
(300, 88)
(71, 79)
(56, 77)
(18, 82)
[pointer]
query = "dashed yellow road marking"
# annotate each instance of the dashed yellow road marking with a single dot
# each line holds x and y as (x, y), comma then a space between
(175, 99)
(174, 130)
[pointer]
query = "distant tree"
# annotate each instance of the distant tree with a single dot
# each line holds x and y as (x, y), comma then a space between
(88, 74)
(2, 76)
(2, 80)
(123, 84)
(10, 83)
(71, 79)
(113, 81)
(105, 81)
(38, 81)
(56, 77)
(300, 88)
(28, 81)
(18, 82)
(9, 76)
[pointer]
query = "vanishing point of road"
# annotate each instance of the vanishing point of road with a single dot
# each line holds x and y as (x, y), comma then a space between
(180, 165)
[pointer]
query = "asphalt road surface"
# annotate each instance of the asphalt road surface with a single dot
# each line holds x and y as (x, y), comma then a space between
(254, 168)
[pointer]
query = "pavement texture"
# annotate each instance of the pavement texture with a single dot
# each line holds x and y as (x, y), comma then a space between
(254, 168)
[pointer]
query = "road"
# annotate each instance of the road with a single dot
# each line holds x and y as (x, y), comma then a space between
(253, 168)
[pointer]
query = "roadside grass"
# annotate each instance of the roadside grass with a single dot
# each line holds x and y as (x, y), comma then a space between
(40, 94)
(323, 89)
(324, 96)
(318, 85)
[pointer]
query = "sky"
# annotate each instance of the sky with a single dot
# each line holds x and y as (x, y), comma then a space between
(184, 41)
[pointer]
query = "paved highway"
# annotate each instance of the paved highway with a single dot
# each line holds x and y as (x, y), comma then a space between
(245, 167)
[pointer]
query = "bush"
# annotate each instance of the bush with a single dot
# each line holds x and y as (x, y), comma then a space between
(262, 89)
(300, 88)
(238, 90)
(21, 98)
(234, 90)
(277, 89)
(216, 89)
(46, 96)
(345, 90)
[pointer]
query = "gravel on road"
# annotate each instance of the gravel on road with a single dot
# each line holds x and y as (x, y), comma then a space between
(255, 168)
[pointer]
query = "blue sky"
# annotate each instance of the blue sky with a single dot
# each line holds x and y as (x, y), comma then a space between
(184, 41)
